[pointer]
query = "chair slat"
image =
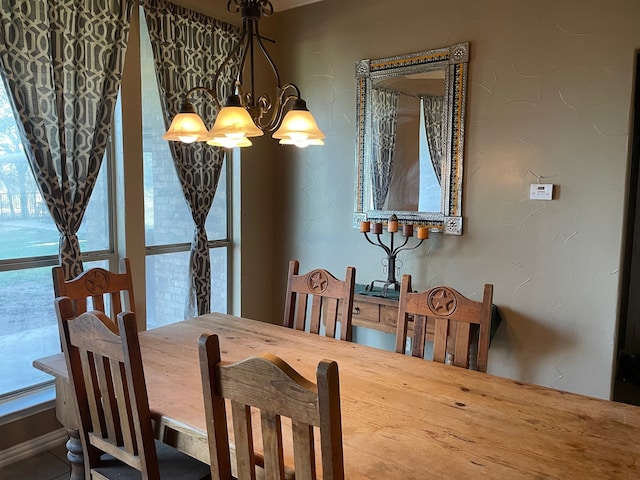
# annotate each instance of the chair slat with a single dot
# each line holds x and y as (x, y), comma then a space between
(301, 311)
(116, 302)
(81, 305)
(272, 444)
(243, 435)
(419, 335)
(462, 343)
(440, 340)
(97, 303)
(303, 451)
(331, 316)
(107, 400)
(316, 313)
(123, 413)
(92, 389)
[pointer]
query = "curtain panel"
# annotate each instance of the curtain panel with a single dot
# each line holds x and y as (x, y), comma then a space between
(384, 113)
(61, 62)
(188, 48)
(434, 123)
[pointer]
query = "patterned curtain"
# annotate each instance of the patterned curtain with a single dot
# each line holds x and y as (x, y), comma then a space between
(188, 47)
(384, 116)
(433, 107)
(61, 62)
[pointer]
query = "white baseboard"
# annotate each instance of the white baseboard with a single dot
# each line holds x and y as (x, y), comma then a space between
(33, 447)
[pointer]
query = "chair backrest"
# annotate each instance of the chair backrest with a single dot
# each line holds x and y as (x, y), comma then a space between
(106, 372)
(99, 286)
(270, 385)
(459, 324)
(328, 296)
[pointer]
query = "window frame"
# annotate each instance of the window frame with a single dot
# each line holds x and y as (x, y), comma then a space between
(22, 397)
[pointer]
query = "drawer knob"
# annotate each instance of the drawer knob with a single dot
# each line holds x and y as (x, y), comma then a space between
(356, 311)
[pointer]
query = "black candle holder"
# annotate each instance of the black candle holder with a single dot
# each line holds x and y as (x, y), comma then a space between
(391, 250)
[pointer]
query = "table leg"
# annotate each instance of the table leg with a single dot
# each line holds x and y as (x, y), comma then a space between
(67, 413)
(74, 455)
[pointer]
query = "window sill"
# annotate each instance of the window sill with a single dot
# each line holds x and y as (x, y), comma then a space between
(27, 403)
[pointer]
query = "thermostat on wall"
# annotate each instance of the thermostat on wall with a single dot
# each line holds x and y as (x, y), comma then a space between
(541, 191)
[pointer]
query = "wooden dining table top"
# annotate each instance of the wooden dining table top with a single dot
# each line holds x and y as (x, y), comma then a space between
(404, 417)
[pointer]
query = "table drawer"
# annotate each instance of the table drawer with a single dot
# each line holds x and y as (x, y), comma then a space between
(374, 315)
(389, 316)
(364, 312)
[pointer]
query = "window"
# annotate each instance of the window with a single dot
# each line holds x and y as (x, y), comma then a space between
(29, 240)
(169, 227)
(28, 248)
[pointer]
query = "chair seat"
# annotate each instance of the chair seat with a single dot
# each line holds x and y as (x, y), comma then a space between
(174, 465)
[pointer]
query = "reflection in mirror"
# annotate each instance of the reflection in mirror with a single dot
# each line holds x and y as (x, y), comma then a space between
(414, 105)
(411, 138)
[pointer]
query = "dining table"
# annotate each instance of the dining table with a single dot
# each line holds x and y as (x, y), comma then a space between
(403, 417)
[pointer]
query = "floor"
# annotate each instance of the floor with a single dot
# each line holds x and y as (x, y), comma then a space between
(49, 465)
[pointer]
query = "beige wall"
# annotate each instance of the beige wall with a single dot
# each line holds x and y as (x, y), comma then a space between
(549, 93)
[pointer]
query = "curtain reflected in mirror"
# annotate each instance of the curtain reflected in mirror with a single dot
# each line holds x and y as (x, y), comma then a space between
(432, 124)
(433, 109)
(384, 104)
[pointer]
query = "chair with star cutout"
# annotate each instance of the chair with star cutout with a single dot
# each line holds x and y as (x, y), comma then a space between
(461, 326)
(97, 289)
(331, 301)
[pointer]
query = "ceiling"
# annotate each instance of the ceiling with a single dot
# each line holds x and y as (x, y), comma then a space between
(280, 5)
(218, 10)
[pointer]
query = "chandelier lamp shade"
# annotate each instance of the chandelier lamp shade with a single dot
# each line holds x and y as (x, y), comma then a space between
(244, 115)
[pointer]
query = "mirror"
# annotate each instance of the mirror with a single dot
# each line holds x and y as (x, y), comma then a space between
(410, 138)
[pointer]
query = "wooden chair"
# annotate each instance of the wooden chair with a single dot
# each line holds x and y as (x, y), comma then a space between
(270, 385)
(108, 292)
(459, 324)
(327, 293)
(105, 369)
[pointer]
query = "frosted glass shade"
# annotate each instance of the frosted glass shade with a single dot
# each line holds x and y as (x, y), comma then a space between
(234, 122)
(299, 128)
(186, 128)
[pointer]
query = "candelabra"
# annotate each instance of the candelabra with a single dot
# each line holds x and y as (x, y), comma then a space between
(391, 250)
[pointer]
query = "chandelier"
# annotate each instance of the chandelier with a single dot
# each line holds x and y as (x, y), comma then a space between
(243, 114)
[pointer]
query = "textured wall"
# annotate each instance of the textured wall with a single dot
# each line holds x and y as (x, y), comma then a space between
(549, 94)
